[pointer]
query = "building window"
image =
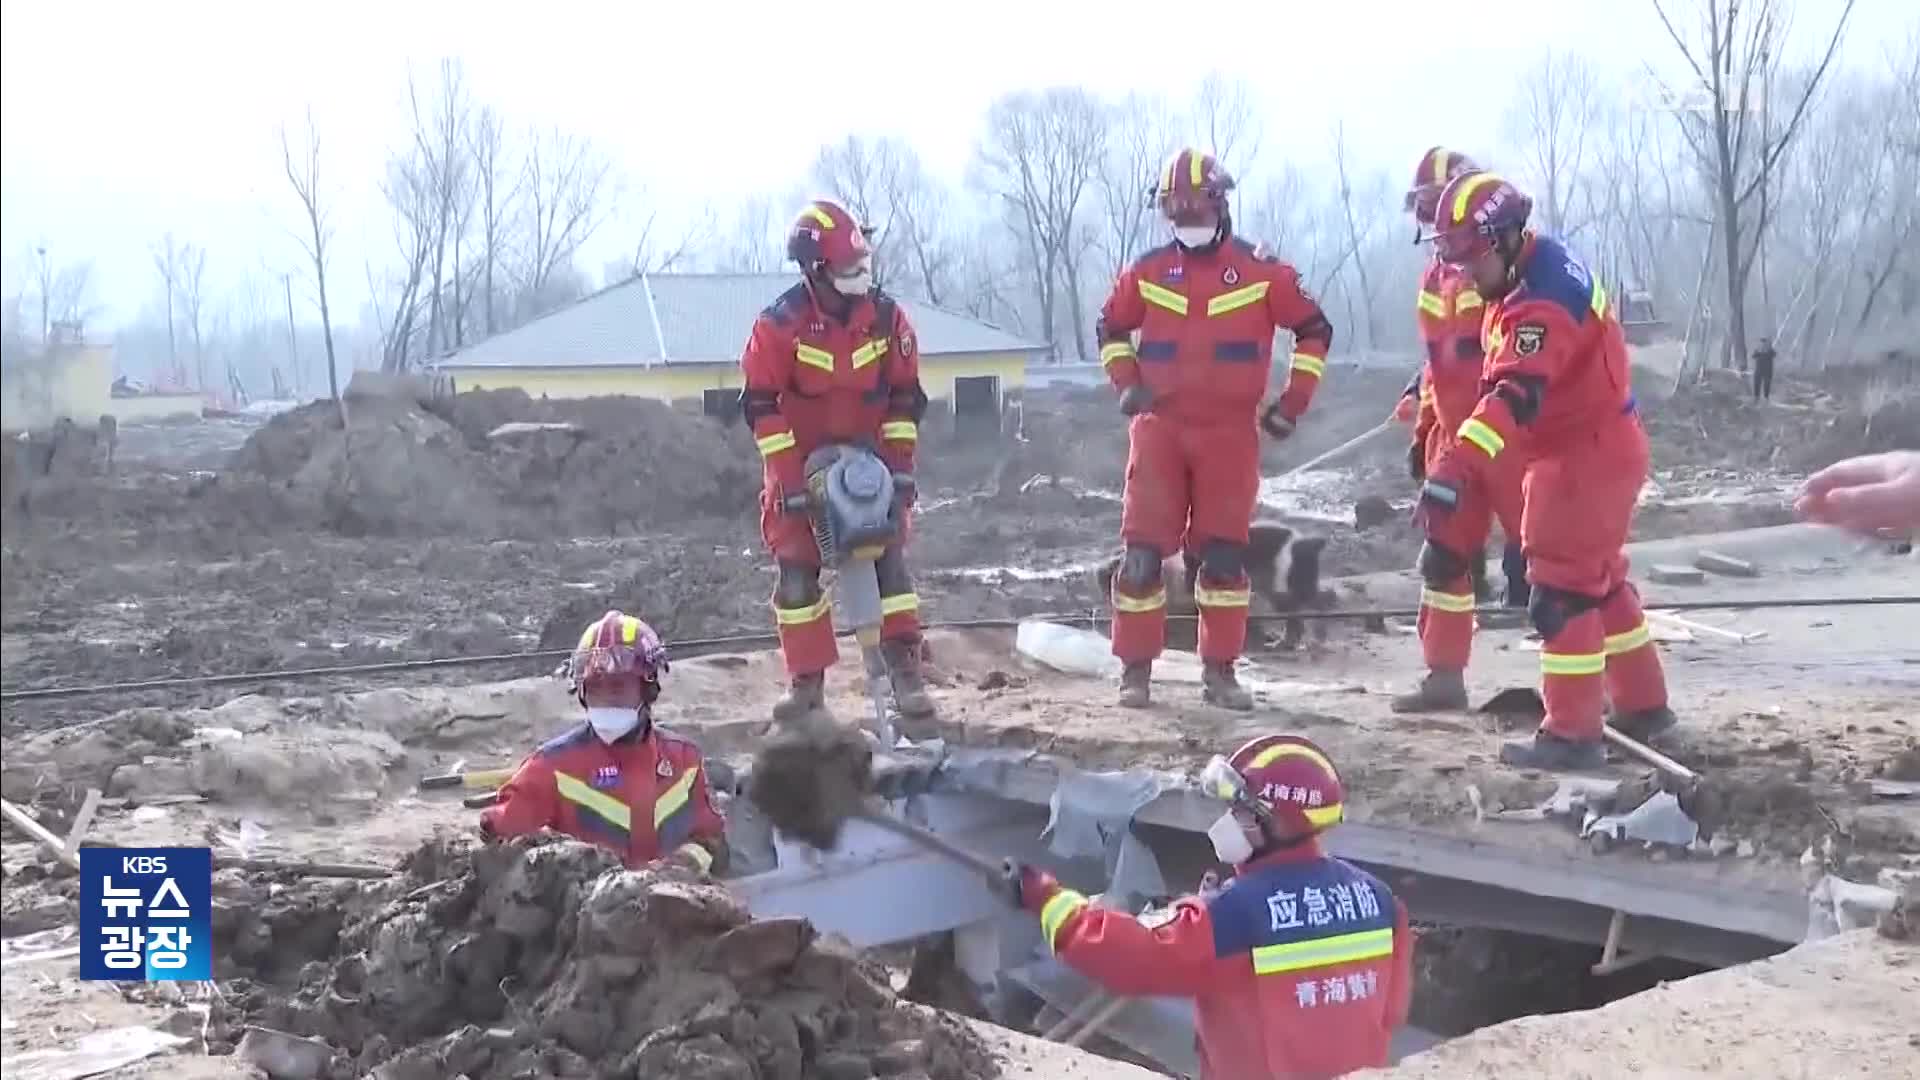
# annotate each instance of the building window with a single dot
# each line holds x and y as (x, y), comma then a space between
(976, 405)
(723, 405)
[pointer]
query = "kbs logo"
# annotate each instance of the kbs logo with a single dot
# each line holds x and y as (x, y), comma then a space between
(146, 914)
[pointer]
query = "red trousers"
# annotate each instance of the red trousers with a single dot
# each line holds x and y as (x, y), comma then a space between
(1447, 611)
(805, 622)
(1187, 483)
(1578, 508)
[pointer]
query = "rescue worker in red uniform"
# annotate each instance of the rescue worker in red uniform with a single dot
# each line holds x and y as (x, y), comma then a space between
(615, 779)
(1204, 309)
(834, 360)
(1557, 395)
(1301, 966)
(1449, 312)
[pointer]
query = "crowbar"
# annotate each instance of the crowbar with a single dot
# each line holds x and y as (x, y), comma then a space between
(1339, 450)
(476, 778)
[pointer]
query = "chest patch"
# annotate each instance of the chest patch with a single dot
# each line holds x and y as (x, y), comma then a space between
(1231, 276)
(1529, 338)
(1175, 274)
(605, 777)
(664, 770)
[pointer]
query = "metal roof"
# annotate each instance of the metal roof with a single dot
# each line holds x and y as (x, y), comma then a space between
(691, 319)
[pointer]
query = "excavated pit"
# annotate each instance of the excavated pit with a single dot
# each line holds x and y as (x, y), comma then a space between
(546, 958)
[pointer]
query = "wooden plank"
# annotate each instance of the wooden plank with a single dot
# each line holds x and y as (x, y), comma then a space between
(25, 823)
(83, 820)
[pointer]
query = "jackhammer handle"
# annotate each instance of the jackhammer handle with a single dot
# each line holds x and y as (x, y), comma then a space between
(932, 842)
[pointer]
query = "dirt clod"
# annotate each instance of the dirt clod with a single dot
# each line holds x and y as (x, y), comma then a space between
(545, 958)
(809, 782)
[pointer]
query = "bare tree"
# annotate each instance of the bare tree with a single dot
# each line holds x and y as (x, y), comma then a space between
(413, 194)
(192, 289)
(917, 229)
(1551, 121)
(441, 139)
(499, 186)
(166, 259)
(1734, 61)
(859, 174)
(1140, 138)
(660, 250)
(1355, 235)
(1038, 163)
(566, 182)
(65, 295)
(303, 176)
(1226, 118)
(751, 248)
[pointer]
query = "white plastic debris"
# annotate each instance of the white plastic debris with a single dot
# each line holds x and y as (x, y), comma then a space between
(1067, 649)
(1659, 820)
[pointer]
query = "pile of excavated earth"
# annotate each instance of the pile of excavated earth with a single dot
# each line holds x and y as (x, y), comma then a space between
(544, 958)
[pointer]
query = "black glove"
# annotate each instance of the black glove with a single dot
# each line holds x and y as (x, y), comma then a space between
(1417, 461)
(1135, 400)
(1275, 423)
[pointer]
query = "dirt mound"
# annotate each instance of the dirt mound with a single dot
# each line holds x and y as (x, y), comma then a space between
(497, 464)
(1810, 423)
(546, 959)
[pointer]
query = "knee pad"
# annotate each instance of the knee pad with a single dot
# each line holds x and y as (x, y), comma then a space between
(1140, 568)
(799, 585)
(891, 570)
(1440, 565)
(1551, 609)
(1223, 560)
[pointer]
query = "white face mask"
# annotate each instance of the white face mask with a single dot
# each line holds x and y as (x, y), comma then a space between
(1195, 236)
(1229, 839)
(610, 722)
(857, 283)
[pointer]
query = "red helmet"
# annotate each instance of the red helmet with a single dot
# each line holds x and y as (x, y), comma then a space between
(1283, 779)
(1473, 207)
(1437, 166)
(826, 235)
(617, 646)
(1191, 182)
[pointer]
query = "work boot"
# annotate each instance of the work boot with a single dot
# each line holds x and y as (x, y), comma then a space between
(1439, 691)
(1545, 750)
(903, 671)
(1219, 686)
(1136, 686)
(1645, 725)
(806, 695)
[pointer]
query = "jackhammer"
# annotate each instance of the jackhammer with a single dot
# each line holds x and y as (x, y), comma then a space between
(850, 498)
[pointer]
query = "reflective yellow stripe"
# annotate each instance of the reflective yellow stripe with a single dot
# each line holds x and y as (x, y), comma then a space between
(1481, 434)
(674, 797)
(1495, 339)
(819, 358)
(1445, 601)
(1572, 663)
(1466, 301)
(1238, 298)
(1599, 301)
(1194, 172)
(1123, 602)
(900, 430)
(819, 215)
(1467, 189)
(774, 443)
(1274, 753)
(1439, 166)
(1323, 952)
(1630, 640)
(1118, 350)
(698, 854)
(1208, 597)
(1310, 364)
(575, 790)
(1161, 296)
(1055, 913)
(1324, 816)
(798, 615)
(1426, 395)
(1432, 304)
(868, 353)
(899, 603)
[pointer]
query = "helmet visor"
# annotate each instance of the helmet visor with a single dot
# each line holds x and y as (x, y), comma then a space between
(1220, 780)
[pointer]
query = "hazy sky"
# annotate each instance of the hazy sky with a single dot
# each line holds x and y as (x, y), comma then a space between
(119, 121)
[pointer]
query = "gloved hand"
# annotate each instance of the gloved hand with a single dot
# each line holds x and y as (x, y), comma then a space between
(1274, 422)
(1210, 886)
(1406, 409)
(1417, 461)
(1025, 886)
(1450, 485)
(1135, 400)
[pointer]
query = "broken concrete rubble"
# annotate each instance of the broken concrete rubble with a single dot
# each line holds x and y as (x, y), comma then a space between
(545, 958)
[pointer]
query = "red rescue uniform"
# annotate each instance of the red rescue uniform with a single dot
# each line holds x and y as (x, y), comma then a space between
(1561, 398)
(1205, 323)
(813, 378)
(643, 796)
(1450, 313)
(1301, 967)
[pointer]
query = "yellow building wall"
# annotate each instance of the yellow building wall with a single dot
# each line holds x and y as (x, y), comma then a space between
(148, 408)
(679, 382)
(72, 382)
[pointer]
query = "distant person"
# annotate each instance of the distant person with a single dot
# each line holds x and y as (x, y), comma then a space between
(1763, 370)
(834, 360)
(615, 779)
(1873, 494)
(1558, 393)
(1206, 308)
(1449, 310)
(1302, 965)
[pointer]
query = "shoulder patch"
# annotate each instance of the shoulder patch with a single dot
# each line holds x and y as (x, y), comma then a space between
(1529, 338)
